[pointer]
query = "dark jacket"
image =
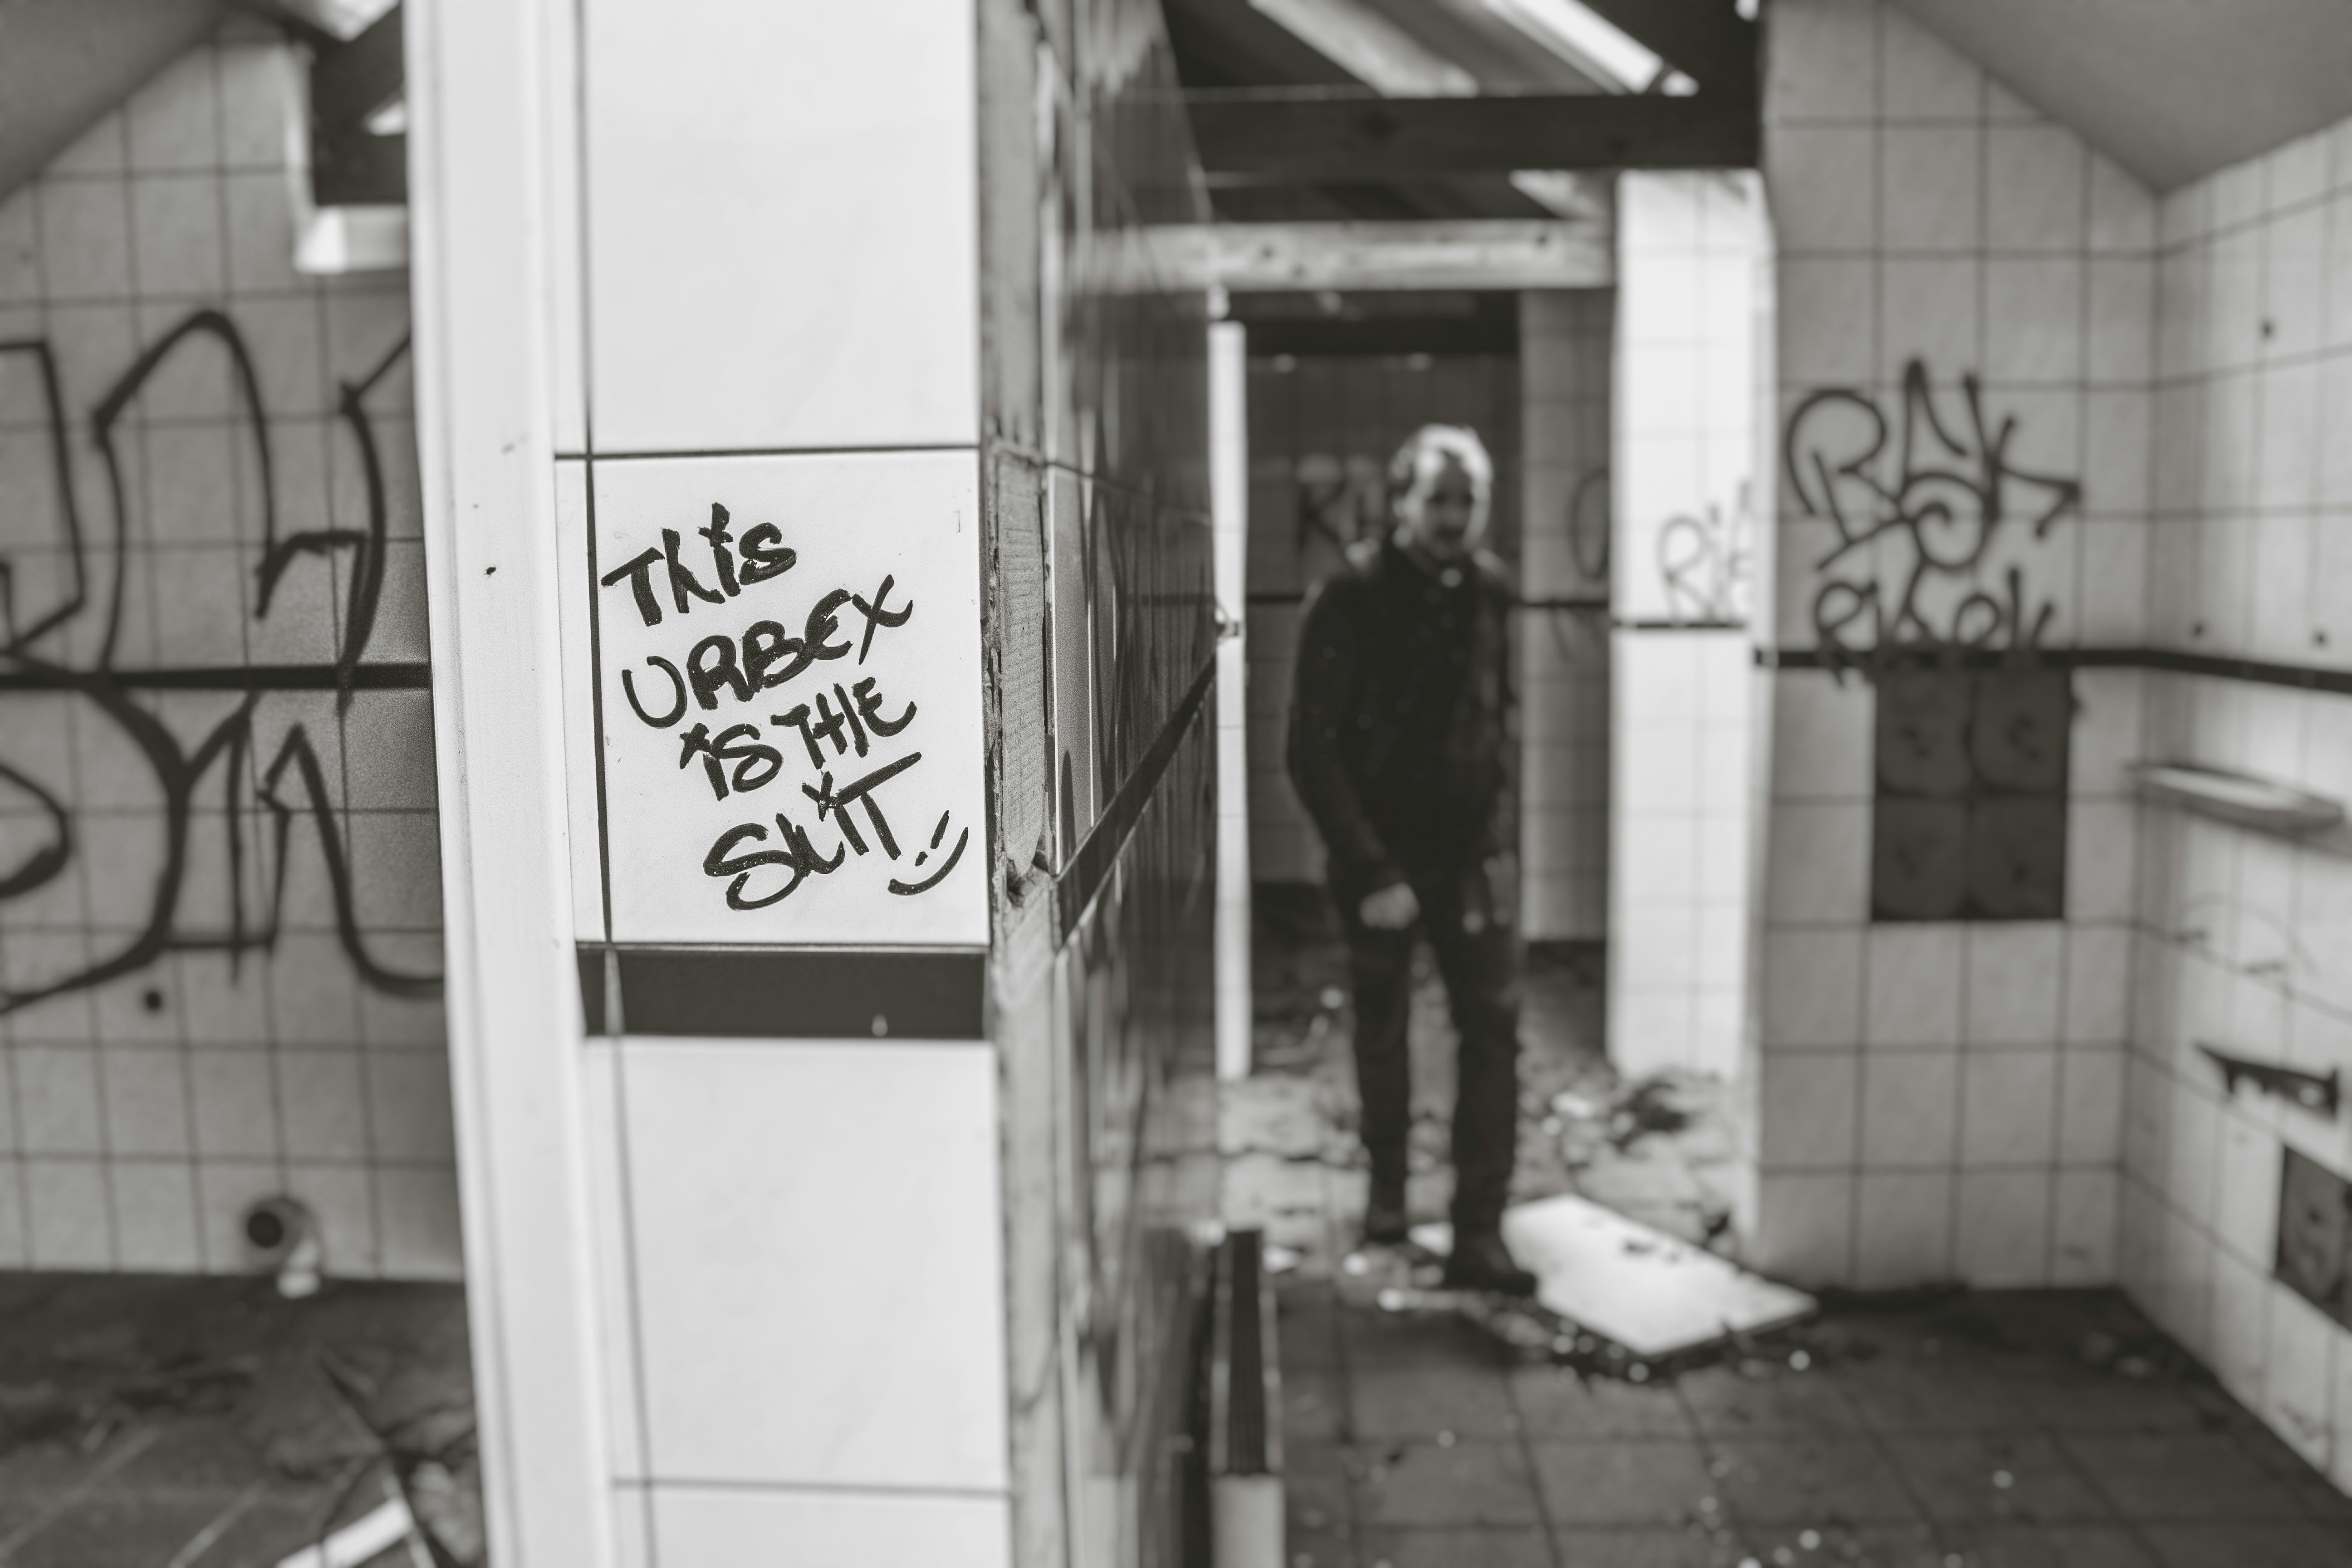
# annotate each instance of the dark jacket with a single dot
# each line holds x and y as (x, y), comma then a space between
(1400, 716)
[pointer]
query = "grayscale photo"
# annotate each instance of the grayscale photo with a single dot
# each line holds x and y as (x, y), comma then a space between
(1175, 783)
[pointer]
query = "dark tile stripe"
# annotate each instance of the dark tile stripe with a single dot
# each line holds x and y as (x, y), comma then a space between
(1083, 877)
(2174, 662)
(774, 994)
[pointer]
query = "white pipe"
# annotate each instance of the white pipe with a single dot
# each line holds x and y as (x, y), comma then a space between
(1229, 518)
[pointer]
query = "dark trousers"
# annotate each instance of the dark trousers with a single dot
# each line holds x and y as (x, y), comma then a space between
(1481, 971)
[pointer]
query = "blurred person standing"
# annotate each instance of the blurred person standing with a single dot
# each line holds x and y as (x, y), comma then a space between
(1401, 747)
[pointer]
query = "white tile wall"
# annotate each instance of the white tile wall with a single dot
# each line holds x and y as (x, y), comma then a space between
(701, 1528)
(2240, 935)
(814, 1241)
(743, 165)
(151, 1109)
(1921, 212)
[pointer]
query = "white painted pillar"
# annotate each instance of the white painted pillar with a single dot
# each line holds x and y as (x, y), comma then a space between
(484, 160)
(1229, 516)
(1685, 487)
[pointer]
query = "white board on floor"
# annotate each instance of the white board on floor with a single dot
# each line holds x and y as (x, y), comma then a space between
(1639, 1287)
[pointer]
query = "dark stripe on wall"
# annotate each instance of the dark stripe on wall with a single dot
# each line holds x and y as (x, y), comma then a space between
(223, 678)
(1589, 603)
(1083, 876)
(787, 994)
(2174, 662)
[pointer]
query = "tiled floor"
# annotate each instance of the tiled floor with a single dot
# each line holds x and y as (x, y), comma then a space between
(1988, 1431)
(153, 1421)
(2032, 1430)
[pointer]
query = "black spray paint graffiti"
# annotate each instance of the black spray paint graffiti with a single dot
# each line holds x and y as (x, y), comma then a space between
(292, 782)
(1704, 562)
(1920, 513)
(852, 716)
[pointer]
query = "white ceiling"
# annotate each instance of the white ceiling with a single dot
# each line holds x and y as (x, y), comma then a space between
(2170, 89)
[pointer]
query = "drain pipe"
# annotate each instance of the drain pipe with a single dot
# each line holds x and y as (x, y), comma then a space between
(1244, 1391)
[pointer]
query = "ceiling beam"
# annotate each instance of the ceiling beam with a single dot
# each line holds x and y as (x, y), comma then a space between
(1357, 256)
(1292, 138)
(1705, 39)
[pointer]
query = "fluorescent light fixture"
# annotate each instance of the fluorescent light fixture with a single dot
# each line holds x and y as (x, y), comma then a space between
(1585, 39)
(1369, 48)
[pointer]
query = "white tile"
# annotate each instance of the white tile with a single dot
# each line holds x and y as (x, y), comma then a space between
(2245, 1215)
(2098, 984)
(1928, 185)
(2296, 1393)
(2009, 1103)
(72, 1222)
(2100, 835)
(1904, 1229)
(2184, 1306)
(2001, 1239)
(1825, 340)
(2013, 987)
(1822, 63)
(58, 1099)
(2033, 189)
(1928, 312)
(2083, 1222)
(2123, 214)
(2117, 429)
(2294, 289)
(1915, 985)
(1804, 1226)
(1925, 78)
(341, 1201)
(146, 1102)
(867, 1349)
(1813, 987)
(155, 1217)
(1819, 869)
(2090, 1107)
(2122, 323)
(234, 1104)
(2297, 172)
(2034, 324)
(1821, 181)
(324, 1104)
(421, 1235)
(719, 142)
(702, 1528)
(2241, 1341)
(667, 825)
(1910, 1107)
(86, 238)
(1805, 1115)
(2192, 1174)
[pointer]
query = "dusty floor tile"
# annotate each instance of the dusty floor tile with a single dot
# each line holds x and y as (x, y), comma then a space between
(2184, 1477)
(2245, 1545)
(1807, 1480)
(2006, 1477)
(1469, 1483)
(1520, 1547)
(1725, 1403)
(1624, 1481)
(1556, 1402)
(1418, 1400)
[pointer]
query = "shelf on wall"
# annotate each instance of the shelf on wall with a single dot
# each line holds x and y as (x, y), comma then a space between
(2241, 798)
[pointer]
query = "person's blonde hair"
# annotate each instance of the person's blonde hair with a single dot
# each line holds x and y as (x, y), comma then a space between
(1423, 456)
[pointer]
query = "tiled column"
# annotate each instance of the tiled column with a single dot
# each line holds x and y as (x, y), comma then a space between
(780, 852)
(1564, 370)
(1684, 478)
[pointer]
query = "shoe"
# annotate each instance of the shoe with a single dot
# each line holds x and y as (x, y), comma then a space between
(1483, 1263)
(1386, 1223)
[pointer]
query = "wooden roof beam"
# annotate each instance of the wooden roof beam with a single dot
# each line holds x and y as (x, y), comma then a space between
(1318, 138)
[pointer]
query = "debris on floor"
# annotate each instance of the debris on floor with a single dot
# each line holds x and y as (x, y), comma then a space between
(1655, 1295)
(189, 1422)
